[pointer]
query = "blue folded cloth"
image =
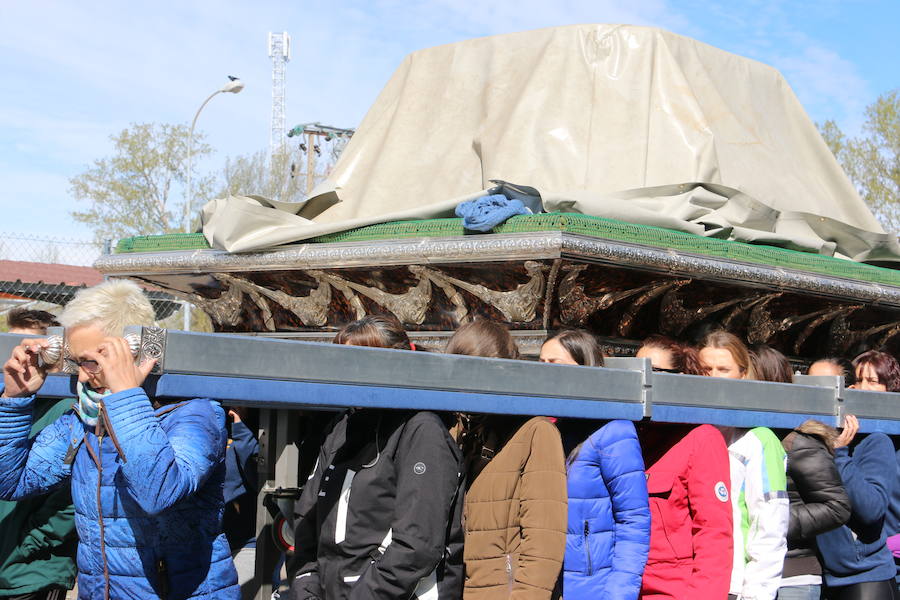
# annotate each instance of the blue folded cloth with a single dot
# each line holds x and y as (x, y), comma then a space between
(485, 213)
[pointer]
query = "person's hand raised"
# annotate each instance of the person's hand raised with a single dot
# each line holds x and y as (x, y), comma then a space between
(117, 365)
(23, 373)
(851, 427)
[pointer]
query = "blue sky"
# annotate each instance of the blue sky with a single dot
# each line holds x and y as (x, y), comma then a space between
(73, 73)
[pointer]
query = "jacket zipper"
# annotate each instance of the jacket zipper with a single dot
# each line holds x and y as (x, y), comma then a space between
(100, 516)
(587, 548)
(162, 577)
(509, 573)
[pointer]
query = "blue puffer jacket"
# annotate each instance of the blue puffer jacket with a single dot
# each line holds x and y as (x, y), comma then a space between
(149, 519)
(609, 517)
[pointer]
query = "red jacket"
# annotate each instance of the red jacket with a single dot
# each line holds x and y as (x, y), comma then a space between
(690, 515)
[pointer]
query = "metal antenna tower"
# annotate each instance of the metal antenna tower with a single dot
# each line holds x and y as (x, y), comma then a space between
(280, 53)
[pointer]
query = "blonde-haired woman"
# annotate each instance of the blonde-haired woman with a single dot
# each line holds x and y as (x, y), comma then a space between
(759, 498)
(724, 355)
(146, 479)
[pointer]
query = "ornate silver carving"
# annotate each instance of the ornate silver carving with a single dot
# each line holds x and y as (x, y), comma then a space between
(576, 306)
(409, 307)
(68, 365)
(815, 323)
(224, 310)
(252, 291)
(702, 267)
(496, 247)
(657, 290)
(312, 309)
(741, 309)
(843, 337)
(891, 332)
(147, 343)
(152, 347)
(348, 254)
(675, 318)
(518, 305)
(549, 292)
(51, 354)
(134, 343)
(460, 310)
(763, 326)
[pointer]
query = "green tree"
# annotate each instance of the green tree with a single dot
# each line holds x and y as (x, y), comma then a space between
(255, 174)
(133, 192)
(872, 160)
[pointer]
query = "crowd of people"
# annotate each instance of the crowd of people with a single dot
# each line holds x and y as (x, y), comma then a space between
(438, 506)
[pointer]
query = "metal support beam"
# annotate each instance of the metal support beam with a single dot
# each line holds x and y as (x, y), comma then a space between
(267, 554)
(285, 374)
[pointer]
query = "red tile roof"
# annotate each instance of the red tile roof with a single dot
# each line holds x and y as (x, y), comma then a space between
(15, 270)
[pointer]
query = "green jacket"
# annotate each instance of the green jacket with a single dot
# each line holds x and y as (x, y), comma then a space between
(37, 535)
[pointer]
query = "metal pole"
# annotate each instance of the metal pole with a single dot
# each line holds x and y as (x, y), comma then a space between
(107, 250)
(310, 163)
(187, 316)
(190, 191)
(266, 553)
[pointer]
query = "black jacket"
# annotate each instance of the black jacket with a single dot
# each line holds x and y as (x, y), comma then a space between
(818, 500)
(380, 516)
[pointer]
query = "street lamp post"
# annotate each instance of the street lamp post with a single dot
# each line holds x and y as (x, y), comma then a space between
(233, 86)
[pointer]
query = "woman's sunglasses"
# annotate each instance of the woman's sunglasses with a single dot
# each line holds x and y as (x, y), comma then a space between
(89, 366)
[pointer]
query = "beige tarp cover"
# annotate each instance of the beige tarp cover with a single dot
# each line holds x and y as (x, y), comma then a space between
(631, 123)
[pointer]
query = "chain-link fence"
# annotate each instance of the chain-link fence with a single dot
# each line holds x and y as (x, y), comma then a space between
(43, 273)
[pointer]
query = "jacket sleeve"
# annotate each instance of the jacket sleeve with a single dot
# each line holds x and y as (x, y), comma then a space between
(868, 477)
(622, 469)
(428, 472)
(245, 447)
(30, 467)
(765, 493)
(824, 503)
(542, 516)
(304, 566)
(161, 468)
(51, 525)
(711, 515)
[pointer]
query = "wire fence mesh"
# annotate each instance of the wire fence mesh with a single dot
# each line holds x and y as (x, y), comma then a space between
(44, 272)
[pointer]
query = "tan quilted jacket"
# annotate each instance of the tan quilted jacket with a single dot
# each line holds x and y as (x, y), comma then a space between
(515, 518)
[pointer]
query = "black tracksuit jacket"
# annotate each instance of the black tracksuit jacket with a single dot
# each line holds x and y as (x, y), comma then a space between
(380, 516)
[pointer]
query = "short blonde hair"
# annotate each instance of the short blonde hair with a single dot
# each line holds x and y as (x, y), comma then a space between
(111, 306)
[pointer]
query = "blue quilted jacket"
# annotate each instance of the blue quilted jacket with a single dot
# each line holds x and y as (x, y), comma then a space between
(609, 517)
(149, 517)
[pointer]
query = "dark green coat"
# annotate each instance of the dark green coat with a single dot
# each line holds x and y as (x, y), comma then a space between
(37, 535)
